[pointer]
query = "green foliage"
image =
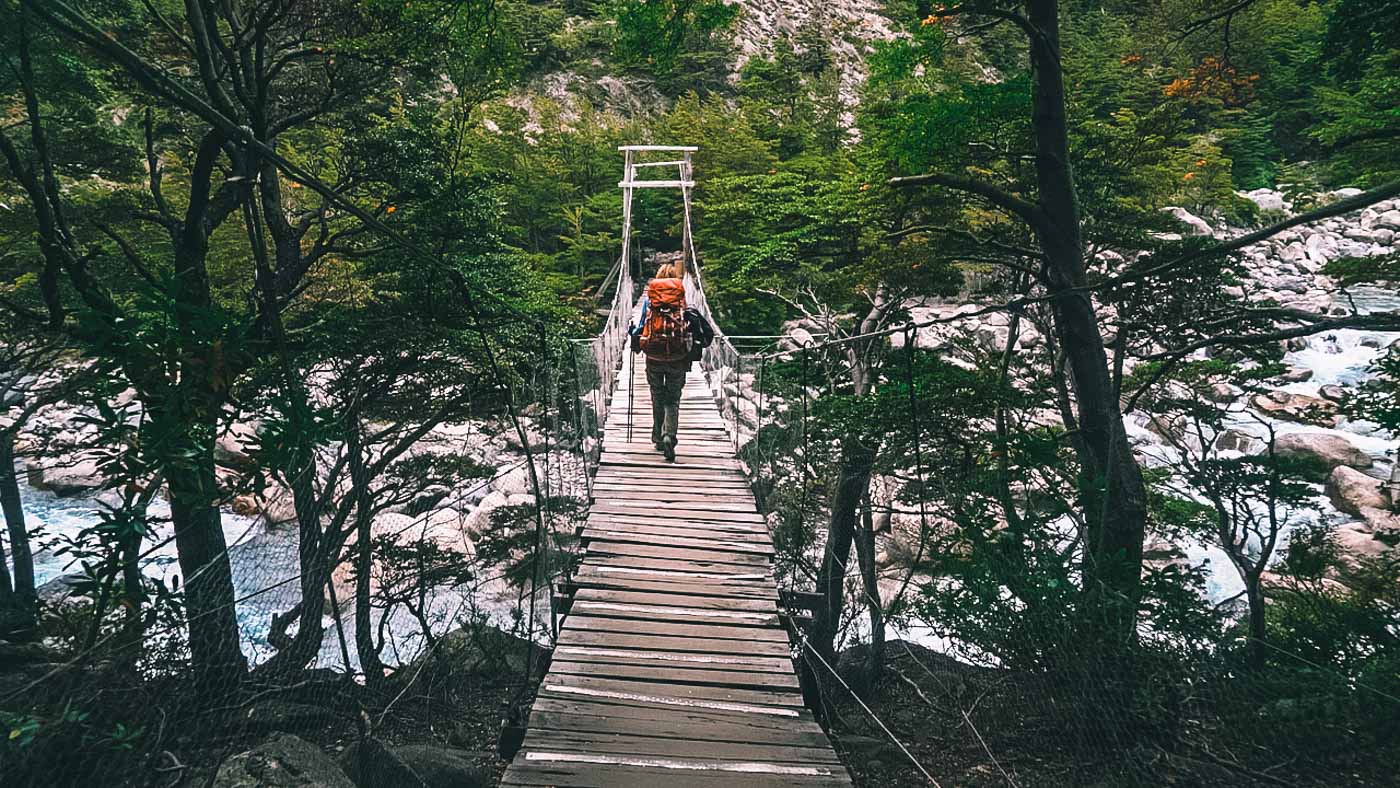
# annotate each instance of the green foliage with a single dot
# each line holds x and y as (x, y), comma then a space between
(683, 43)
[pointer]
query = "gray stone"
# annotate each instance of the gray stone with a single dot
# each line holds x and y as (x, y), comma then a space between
(67, 478)
(283, 761)
(270, 716)
(1235, 440)
(1223, 392)
(1198, 225)
(1390, 220)
(1353, 491)
(1294, 252)
(1321, 452)
(1297, 375)
(1266, 199)
(372, 765)
(1297, 407)
(1332, 392)
(440, 767)
(1355, 541)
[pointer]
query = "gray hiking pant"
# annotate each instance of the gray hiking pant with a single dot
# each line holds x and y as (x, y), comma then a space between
(665, 379)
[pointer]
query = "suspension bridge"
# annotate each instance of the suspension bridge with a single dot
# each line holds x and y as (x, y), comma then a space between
(670, 664)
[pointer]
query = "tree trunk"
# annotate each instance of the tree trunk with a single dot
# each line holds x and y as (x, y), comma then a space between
(1112, 490)
(209, 603)
(17, 593)
(370, 663)
(870, 580)
(853, 479)
(1258, 626)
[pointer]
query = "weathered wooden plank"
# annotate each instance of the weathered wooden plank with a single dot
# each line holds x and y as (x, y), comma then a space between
(669, 520)
(676, 553)
(560, 775)
(754, 631)
(588, 741)
(641, 657)
(671, 668)
(675, 540)
(576, 686)
(697, 569)
(698, 645)
(676, 600)
(667, 674)
(679, 511)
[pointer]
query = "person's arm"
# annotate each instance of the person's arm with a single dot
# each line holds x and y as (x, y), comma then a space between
(641, 320)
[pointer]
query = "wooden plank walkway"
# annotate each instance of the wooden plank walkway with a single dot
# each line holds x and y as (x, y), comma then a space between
(671, 668)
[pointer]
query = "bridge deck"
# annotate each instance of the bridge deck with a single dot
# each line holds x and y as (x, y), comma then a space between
(671, 667)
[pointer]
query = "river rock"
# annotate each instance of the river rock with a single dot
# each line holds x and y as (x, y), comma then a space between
(478, 520)
(1353, 491)
(1390, 220)
(1356, 542)
(283, 761)
(372, 765)
(1321, 248)
(1223, 392)
(514, 481)
(1332, 392)
(274, 715)
(1293, 252)
(67, 478)
(232, 448)
(1198, 225)
(1297, 375)
(1266, 199)
(1321, 451)
(1301, 408)
(1236, 440)
(276, 505)
(440, 767)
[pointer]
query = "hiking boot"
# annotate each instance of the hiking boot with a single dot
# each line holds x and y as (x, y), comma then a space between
(668, 450)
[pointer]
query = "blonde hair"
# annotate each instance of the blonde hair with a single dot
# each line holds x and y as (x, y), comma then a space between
(671, 270)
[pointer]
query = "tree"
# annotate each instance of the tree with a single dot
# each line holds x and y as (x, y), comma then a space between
(262, 79)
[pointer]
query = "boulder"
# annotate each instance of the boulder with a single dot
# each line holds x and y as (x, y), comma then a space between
(1321, 248)
(1301, 408)
(1198, 225)
(372, 765)
(1390, 220)
(1321, 452)
(513, 481)
(232, 447)
(1266, 199)
(478, 520)
(276, 505)
(282, 761)
(1355, 542)
(1297, 375)
(273, 715)
(1235, 440)
(1332, 392)
(393, 524)
(1353, 491)
(67, 478)
(440, 767)
(1223, 392)
(1294, 252)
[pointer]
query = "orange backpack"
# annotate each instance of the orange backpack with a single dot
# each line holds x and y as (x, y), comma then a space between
(666, 334)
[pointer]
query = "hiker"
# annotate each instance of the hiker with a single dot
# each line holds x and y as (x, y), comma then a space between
(663, 332)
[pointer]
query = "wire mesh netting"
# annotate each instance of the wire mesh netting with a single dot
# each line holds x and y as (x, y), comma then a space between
(390, 571)
(966, 646)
